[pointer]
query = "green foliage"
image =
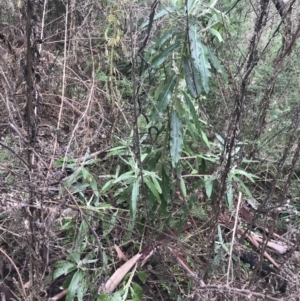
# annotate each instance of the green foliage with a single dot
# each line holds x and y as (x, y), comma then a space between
(130, 181)
(181, 50)
(189, 57)
(81, 179)
(160, 100)
(176, 138)
(77, 273)
(182, 65)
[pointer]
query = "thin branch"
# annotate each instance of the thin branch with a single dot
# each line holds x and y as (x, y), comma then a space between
(233, 235)
(63, 90)
(13, 152)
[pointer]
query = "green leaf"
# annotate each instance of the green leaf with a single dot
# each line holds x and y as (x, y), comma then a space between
(117, 296)
(204, 138)
(209, 183)
(63, 268)
(153, 189)
(119, 150)
(109, 225)
(74, 284)
(107, 186)
(81, 241)
(70, 163)
(78, 187)
(143, 157)
(82, 289)
(192, 129)
(155, 182)
(142, 276)
(198, 53)
(243, 187)
(136, 291)
(216, 34)
(159, 59)
(182, 187)
(191, 202)
(4, 215)
(94, 186)
(220, 235)
(193, 112)
(165, 37)
(85, 173)
(166, 94)
(72, 178)
(68, 223)
(176, 138)
(151, 201)
(67, 281)
(125, 177)
(214, 60)
(104, 258)
(134, 198)
(183, 218)
(123, 194)
(75, 256)
(102, 206)
(212, 21)
(192, 78)
(104, 297)
(159, 89)
(160, 14)
(179, 107)
(90, 162)
(197, 185)
(164, 98)
(229, 196)
(229, 192)
(165, 185)
(190, 5)
(248, 175)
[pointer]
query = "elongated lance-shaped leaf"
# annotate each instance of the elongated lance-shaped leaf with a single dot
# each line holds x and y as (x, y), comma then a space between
(176, 138)
(193, 112)
(156, 51)
(134, 197)
(216, 34)
(74, 284)
(161, 57)
(165, 184)
(153, 189)
(208, 185)
(164, 98)
(63, 268)
(198, 53)
(160, 14)
(190, 5)
(183, 187)
(164, 37)
(214, 60)
(120, 273)
(192, 79)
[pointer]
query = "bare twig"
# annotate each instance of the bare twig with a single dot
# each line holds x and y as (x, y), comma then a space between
(233, 235)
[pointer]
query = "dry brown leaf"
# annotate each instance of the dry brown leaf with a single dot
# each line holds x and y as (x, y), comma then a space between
(183, 262)
(119, 274)
(120, 254)
(266, 255)
(281, 249)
